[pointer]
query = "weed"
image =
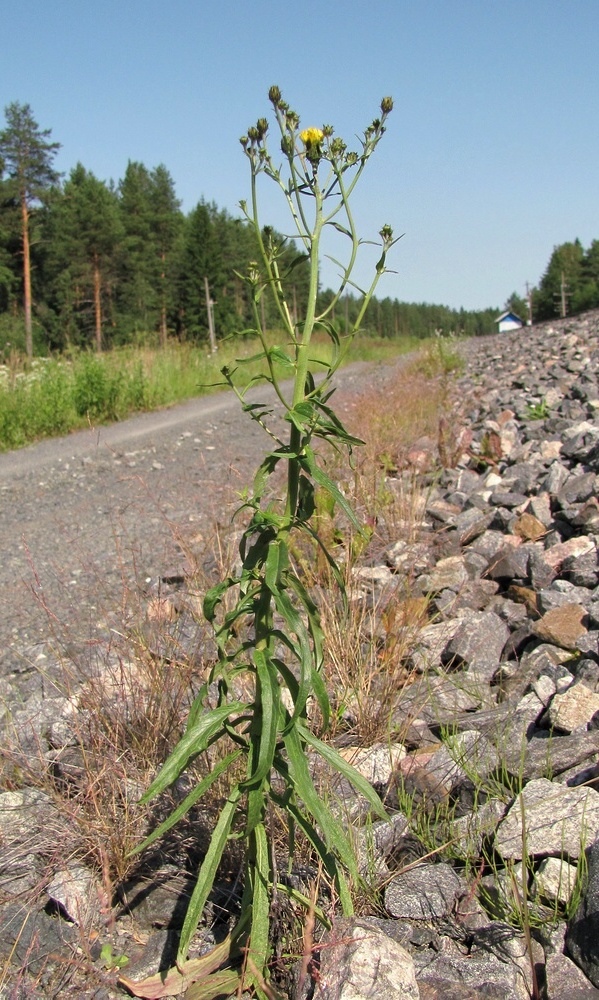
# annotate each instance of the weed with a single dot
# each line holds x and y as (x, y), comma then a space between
(537, 411)
(271, 639)
(441, 357)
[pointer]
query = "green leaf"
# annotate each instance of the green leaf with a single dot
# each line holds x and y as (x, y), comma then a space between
(214, 596)
(340, 229)
(332, 831)
(260, 876)
(198, 707)
(308, 463)
(190, 800)
(190, 745)
(280, 357)
(207, 873)
(300, 259)
(330, 863)
(266, 717)
(254, 357)
(275, 564)
(288, 676)
(301, 415)
(265, 470)
(334, 759)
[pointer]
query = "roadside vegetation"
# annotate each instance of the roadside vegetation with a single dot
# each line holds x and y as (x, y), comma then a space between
(227, 763)
(52, 396)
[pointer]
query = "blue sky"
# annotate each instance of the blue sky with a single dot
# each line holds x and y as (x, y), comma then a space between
(492, 152)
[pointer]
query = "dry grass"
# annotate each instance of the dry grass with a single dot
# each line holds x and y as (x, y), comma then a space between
(131, 708)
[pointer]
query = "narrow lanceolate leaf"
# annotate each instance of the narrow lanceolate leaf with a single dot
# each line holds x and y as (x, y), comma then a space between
(207, 873)
(309, 464)
(275, 566)
(313, 614)
(226, 983)
(330, 755)
(177, 980)
(189, 800)
(192, 743)
(329, 861)
(267, 717)
(198, 707)
(256, 804)
(260, 875)
(332, 831)
(214, 596)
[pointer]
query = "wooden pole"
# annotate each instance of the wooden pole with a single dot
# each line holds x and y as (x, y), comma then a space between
(209, 308)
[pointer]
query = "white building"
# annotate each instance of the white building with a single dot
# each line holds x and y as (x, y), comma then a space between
(508, 321)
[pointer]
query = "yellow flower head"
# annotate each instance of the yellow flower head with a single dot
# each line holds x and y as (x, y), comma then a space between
(311, 136)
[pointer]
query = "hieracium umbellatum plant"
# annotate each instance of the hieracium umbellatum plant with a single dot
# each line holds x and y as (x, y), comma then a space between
(267, 625)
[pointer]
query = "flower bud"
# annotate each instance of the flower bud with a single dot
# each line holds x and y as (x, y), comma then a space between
(386, 233)
(387, 105)
(274, 95)
(262, 127)
(287, 145)
(337, 147)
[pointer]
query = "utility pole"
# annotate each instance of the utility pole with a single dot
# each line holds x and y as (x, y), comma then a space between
(563, 296)
(210, 310)
(529, 300)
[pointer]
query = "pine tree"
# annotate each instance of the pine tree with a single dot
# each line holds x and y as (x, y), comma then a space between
(587, 296)
(27, 156)
(167, 223)
(560, 282)
(85, 236)
(199, 259)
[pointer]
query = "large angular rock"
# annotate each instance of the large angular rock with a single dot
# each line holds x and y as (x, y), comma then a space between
(573, 708)
(554, 880)
(565, 981)
(426, 892)
(548, 819)
(478, 643)
(359, 961)
(542, 756)
(498, 965)
(582, 936)
(563, 626)
(510, 563)
(448, 574)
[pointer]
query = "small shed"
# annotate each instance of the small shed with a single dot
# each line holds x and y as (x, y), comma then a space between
(508, 321)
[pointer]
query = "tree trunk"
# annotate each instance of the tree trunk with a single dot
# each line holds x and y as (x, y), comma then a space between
(163, 330)
(27, 277)
(98, 304)
(209, 305)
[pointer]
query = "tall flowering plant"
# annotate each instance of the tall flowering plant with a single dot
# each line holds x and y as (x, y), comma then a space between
(267, 625)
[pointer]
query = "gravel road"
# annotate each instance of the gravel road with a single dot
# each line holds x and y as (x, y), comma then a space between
(87, 519)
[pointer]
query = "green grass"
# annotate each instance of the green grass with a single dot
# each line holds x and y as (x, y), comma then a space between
(54, 396)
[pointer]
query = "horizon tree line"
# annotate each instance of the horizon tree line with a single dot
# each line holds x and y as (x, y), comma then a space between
(85, 263)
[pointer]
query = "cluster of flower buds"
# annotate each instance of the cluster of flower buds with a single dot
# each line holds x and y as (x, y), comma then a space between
(255, 134)
(317, 142)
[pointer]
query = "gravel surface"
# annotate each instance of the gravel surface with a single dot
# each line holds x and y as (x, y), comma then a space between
(88, 520)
